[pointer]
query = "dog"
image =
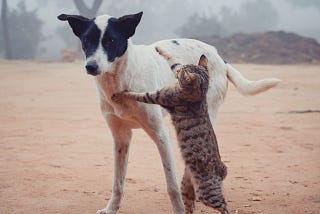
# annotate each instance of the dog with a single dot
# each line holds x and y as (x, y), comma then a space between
(119, 65)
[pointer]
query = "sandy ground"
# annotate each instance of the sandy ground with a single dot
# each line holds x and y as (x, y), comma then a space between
(56, 150)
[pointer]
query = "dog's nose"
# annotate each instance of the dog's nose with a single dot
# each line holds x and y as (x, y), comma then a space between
(92, 68)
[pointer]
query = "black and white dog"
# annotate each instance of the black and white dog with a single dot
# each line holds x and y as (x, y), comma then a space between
(119, 65)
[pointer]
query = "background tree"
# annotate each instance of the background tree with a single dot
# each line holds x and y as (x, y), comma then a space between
(89, 12)
(24, 29)
(252, 16)
(304, 4)
(199, 25)
(5, 40)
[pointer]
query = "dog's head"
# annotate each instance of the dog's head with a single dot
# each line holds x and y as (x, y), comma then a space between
(104, 38)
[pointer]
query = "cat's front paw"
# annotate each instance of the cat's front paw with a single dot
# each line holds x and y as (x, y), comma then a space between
(117, 97)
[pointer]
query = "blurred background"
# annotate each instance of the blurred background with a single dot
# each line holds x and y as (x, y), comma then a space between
(244, 31)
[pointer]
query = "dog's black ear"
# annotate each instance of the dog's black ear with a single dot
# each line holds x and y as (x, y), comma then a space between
(78, 23)
(129, 23)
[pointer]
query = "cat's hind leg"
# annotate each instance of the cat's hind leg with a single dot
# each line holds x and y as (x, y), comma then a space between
(210, 193)
(187, 191)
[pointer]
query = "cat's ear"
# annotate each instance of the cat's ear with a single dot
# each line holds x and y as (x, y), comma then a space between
(79, 24)
(203, 61)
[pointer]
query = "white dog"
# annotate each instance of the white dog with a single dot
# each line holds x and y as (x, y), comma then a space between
(119, 65)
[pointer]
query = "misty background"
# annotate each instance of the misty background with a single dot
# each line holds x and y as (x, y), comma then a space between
(35, 32)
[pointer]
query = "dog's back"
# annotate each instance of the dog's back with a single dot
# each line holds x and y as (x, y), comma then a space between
(188, 51)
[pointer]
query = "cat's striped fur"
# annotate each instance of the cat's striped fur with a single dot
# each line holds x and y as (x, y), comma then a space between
(187, 105)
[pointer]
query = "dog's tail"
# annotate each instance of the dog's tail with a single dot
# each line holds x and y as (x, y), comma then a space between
(172, 62)
(248, 87)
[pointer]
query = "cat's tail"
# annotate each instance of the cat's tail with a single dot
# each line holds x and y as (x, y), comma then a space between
(172, 63)
(248, 87)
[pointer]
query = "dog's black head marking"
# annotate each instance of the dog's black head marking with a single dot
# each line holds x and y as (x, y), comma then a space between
(90, 39)
(117, 33)
(114, 43)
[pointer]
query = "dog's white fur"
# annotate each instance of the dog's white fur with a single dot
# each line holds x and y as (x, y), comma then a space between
(142, 69)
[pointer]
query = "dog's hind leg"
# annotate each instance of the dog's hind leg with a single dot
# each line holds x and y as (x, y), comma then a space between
(156, 129)
(122, 136)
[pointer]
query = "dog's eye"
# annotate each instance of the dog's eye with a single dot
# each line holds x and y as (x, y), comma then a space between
(108, 41)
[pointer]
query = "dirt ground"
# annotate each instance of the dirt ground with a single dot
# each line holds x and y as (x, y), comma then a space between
(56, 150)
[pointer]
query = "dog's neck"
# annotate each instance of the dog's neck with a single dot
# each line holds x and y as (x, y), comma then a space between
(118, 77)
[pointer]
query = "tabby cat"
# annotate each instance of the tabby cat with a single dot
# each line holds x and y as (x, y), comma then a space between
(186, 103)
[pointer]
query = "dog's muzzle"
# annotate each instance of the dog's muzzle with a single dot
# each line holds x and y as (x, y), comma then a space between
(92, 68)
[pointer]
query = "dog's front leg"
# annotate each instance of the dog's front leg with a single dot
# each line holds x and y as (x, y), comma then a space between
(122, 136)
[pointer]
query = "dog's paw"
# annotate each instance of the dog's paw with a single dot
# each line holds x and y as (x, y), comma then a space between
(100, 212)
(117, 98)
(104, 211)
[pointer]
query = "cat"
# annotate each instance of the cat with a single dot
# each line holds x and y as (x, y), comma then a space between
(187, 105)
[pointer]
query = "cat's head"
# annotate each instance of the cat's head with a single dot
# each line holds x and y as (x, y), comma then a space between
(194, 77)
